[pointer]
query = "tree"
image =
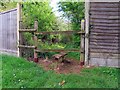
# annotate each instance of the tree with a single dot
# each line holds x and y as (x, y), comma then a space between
(7, 5)
(40, 11)
(74, 11)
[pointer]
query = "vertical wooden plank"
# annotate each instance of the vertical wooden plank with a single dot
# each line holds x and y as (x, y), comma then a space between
(82, 54)
(35, 42)
(18, 27)
(87, 6)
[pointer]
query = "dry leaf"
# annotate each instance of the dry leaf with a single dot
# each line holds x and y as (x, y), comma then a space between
(61, 83)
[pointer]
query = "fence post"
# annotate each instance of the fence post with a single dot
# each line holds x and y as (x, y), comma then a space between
(87, 7)
(35, 42)
(19, 35)
(82, 54)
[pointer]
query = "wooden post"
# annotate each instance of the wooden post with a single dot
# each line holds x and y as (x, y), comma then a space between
(35, 42)
(19, 36)
(82, 54)
(87, 6)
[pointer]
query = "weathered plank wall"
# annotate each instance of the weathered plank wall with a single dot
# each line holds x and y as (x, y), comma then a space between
(8, 31)
(104, 33)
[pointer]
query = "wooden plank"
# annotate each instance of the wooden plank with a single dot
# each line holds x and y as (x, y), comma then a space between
(104, 13)
(104, 34)
(104, 51)
(60, 32)
(57, 50)
(82, 55)
(105, 5)
(98, 47)
(99, 38)
(105, 17)
(27, 30)
(35, 41)
(24, 46)
(18, 27)
(103, 30)
(99, 31)
(59, 56)
(100, 41)
(113, 44)
(105, 24)
(93, 21)
(104, 45)
(104, 2)
(87, 7)
(105, 9)
(105, 27)
(105, 37)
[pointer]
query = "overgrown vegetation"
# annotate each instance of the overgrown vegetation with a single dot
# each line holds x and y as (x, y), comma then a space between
(19, 73)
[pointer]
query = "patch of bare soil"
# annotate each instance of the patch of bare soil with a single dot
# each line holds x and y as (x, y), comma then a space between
(64, 67)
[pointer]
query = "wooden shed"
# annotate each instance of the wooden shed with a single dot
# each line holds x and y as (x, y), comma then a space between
(102, 43)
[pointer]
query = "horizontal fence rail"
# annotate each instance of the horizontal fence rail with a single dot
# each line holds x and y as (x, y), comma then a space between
(27, 30)
(58, 50)
(25, 46)
(60, 32)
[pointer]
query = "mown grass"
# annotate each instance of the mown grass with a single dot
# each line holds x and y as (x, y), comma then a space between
(0, 73)
(19, 73)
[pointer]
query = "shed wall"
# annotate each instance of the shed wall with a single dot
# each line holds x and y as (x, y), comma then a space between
(8, 32)
(104, 34)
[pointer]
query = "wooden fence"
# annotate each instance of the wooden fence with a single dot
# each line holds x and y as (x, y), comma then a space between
(8, 31)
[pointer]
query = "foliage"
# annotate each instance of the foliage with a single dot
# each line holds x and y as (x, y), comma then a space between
(40, 11)
(74, 11)
(7, 5)
(19, 73)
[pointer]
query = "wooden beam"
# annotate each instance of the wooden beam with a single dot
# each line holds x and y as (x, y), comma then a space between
(18, 27)
(87, 7)
(60, 32)
(27, 30)
(35, 41)
(24, 46)
(82, 55)
(58, 50)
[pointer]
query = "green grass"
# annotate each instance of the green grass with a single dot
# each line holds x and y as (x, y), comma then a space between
(19, 73)
(0, 73)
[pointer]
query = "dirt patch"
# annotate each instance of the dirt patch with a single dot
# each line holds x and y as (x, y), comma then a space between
(66, 66)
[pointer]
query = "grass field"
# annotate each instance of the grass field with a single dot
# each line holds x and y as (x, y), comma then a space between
(19, 73)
